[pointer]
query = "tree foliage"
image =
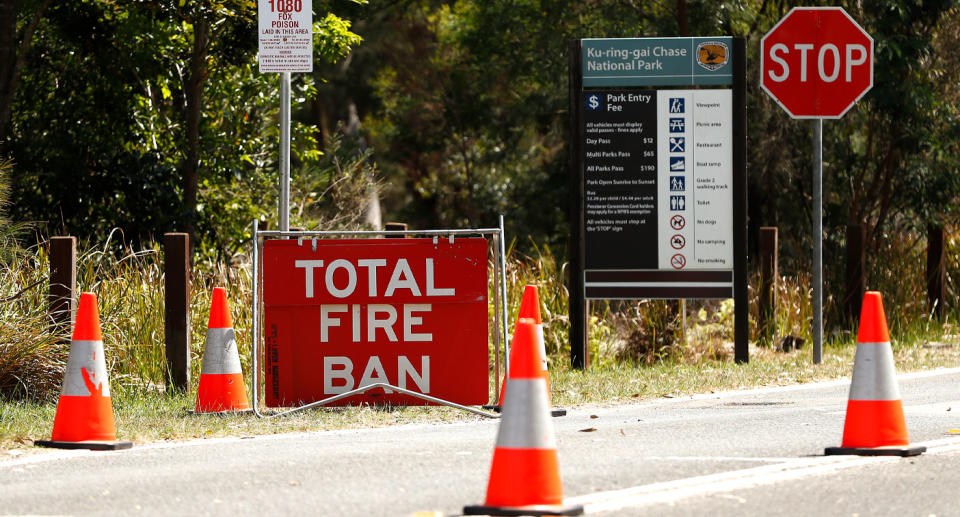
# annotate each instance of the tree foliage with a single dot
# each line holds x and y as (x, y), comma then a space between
(9, 248)
(468, 113)
(151, 115)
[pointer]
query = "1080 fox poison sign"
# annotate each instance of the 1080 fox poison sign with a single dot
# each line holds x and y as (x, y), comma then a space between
(341, 314)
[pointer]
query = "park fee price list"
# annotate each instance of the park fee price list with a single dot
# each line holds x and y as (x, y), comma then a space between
(620, 179)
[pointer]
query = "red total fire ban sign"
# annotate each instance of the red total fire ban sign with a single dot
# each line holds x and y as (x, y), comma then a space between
(340, 314)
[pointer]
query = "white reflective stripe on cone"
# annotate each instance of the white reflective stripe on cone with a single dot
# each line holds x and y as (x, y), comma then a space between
(524, 423)
(220, 354)
(874, 375)
(88, 356)
(543, 346)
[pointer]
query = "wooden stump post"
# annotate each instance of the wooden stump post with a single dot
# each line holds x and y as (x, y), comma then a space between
(856, 280)
(62, 299)
(936, 270)
(395, 227)
(177, 309)
(768, 284)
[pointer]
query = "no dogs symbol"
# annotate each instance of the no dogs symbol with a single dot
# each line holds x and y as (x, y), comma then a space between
(677, 222)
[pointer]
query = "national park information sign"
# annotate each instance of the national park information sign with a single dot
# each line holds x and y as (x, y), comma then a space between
(658, 175)
(656, 167)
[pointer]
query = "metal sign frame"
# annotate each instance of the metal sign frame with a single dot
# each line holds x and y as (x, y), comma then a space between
(501, 344)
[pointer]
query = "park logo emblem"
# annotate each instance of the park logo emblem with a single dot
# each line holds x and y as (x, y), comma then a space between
(712, 55)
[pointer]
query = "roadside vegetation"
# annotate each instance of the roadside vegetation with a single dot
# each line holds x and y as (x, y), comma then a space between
(440, 115)
(639, 350)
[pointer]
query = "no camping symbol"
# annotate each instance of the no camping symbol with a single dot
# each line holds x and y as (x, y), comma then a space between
(678, 241)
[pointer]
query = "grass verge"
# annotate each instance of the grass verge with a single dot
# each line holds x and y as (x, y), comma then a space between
(155, 417)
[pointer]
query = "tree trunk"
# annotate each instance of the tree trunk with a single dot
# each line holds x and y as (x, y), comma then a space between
(8, 54)
(194, 92)
(936, 270)
(855, 274)
(371, 207)
(13, 59)
(682, 17)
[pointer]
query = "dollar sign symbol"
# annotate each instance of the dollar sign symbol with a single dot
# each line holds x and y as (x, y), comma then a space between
(593, 102)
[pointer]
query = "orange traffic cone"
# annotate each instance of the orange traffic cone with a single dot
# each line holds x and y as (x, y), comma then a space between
(874, 425)
(525, 476)
(530, 308)
(84, 418)
(221, 386)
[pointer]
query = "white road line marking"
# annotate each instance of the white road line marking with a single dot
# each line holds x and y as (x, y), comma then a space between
(53, 455)
(933, 409)
(44, 457)
(793, 387)
(942, 446)
(670, 491)
(796, 468)
(720, 458)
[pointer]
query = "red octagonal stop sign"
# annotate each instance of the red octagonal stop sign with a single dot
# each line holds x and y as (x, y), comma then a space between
(816, 62)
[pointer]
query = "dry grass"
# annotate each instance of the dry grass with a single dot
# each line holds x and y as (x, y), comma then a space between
(30, 357)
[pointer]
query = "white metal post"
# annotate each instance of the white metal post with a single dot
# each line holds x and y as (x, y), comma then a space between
(817, 240)
(284, 205)
(503, 295)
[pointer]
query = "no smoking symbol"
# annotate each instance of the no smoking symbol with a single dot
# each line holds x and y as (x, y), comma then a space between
(677, 222)
(678, 261)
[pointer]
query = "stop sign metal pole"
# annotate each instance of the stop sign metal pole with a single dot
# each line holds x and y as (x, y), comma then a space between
(817, 240)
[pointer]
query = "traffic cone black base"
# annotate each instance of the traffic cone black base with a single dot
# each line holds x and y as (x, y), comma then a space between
(555, 412)
(93, 446)
(875, 451)
(524, 510)
(220, 413)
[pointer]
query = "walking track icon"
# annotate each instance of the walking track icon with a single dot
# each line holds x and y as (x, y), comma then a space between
(677, 183)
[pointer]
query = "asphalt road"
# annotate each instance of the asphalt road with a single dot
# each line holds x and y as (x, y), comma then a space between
(757, 452)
